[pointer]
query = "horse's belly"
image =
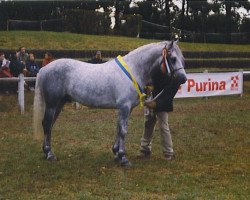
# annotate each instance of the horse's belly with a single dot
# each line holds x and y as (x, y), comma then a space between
(93, 94)
(96, 101)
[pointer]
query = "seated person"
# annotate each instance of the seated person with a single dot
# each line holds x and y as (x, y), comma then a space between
(97, 59)
(32, 66)
(48, 57)
(16, 66)
(4, 66)
(22, 56)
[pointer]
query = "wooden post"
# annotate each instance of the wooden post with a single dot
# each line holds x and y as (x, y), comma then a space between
(41, 25)
(21, 93)
(7, 25)
(77, 106)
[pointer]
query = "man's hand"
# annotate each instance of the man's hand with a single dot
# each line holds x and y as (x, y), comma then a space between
(150, 104)
(149, 89)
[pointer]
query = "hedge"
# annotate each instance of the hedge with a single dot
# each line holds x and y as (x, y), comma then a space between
(87, 21)
(132, 25)
(193, 59)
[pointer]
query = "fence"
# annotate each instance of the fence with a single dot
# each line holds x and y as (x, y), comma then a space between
(42, 25)
(21, 80)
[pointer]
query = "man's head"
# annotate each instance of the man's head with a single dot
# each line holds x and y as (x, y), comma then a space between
(98, 55)
(22, 50)
(1, 56)
(31, 57)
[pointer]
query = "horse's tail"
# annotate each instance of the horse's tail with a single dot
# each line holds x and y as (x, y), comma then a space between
(39, 109)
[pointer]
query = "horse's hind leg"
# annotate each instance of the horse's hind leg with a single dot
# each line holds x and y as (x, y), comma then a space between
(47, 126)
(51, 114)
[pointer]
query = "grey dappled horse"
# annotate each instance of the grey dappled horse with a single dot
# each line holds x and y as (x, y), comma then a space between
(102, 86)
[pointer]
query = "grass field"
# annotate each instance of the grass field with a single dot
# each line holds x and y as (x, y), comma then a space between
(211, 140)
(52, 40)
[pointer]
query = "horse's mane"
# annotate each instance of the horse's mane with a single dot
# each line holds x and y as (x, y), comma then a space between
(145, 47)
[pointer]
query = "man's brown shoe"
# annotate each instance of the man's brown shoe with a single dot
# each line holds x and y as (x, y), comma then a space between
(144, 155)
(169, 157)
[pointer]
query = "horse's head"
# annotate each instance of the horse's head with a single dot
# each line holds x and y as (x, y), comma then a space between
(172, 63)
(165, 56)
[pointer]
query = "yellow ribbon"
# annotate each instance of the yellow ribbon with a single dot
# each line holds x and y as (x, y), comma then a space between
(141, 95)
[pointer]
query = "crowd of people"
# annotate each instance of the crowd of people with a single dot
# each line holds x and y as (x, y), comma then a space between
(22, 62)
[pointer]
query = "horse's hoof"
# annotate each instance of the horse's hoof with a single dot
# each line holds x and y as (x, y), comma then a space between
(125, 163)
(116, 158)
(115, 150)
(51, 158)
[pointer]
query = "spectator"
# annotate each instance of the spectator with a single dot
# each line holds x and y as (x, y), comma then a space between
(48, 57)
(32, 70)
(32, 66)
(16, 66)
(4, 66)
(97, 59)
(22, 56)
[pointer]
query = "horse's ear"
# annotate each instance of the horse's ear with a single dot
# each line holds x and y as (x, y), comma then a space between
(177, 41)
(170, 45)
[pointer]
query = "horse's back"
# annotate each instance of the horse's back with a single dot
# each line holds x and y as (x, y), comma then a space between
(90, 84)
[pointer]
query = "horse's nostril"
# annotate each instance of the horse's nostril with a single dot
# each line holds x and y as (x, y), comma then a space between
(182, 79)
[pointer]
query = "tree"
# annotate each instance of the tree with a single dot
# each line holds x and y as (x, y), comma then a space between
(245, 26)
(229, 5)
(120, 7)
(183, 13)
(167, 13)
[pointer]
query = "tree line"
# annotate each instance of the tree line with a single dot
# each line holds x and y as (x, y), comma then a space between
(191, 16)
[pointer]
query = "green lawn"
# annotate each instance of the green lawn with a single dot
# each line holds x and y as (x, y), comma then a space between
(53, 40)
(211, 140)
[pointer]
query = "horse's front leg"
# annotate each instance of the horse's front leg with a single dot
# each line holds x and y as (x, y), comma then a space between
(122, 129)
(115, 147)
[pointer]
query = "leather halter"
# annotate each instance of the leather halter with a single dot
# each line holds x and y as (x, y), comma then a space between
(166, 65)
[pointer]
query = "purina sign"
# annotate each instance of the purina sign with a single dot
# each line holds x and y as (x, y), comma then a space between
(211, 84)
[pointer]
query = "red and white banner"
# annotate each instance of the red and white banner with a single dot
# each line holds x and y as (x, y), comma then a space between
(211, 84)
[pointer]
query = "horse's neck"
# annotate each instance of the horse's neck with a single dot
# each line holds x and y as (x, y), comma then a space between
(141, 66)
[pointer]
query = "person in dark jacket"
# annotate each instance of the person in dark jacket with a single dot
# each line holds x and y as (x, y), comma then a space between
(158, 110)
(22, 55)
(32, 66)
(16, 66)
(97, 59)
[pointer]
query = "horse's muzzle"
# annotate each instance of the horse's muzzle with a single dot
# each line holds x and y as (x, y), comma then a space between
(181, 78)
